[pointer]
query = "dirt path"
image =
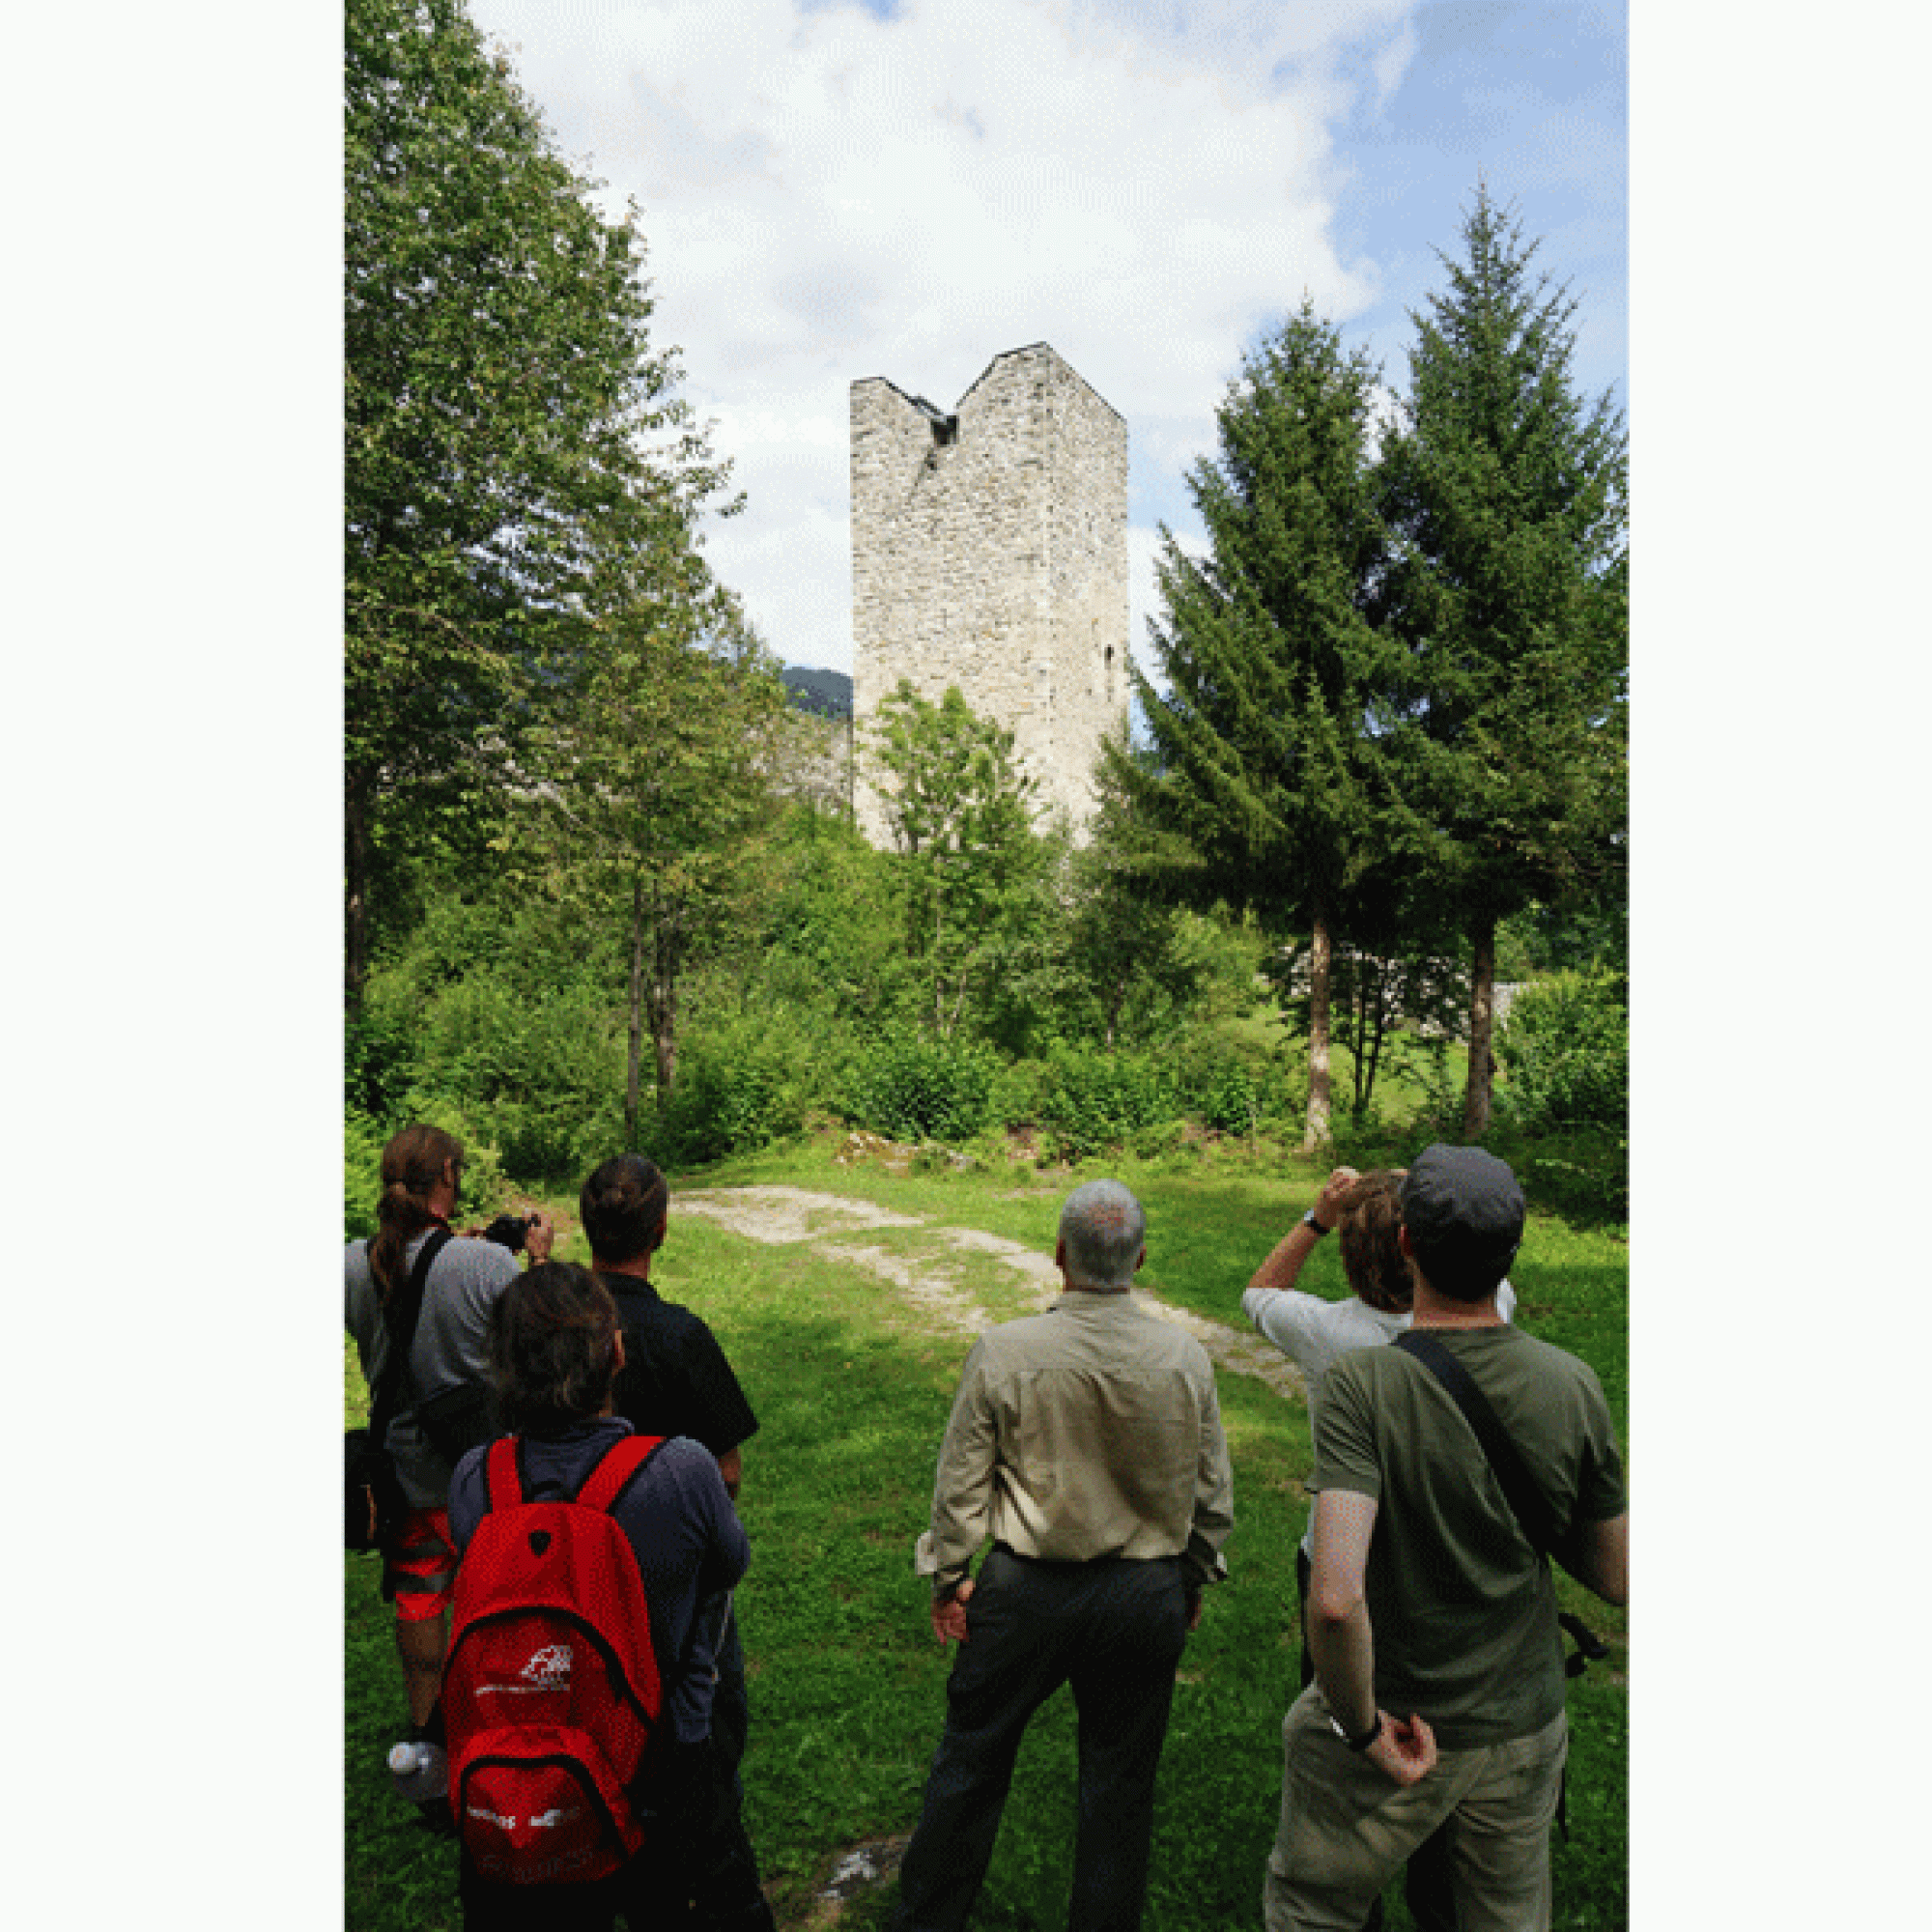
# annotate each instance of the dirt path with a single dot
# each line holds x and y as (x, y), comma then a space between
(830, 1224)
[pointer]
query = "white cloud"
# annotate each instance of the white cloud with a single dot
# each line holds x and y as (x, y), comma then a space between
(829, 195)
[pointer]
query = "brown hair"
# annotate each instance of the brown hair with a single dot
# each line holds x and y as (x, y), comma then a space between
(412, 1163)
(1370, 1218)
(623, 1207)
(552, 1348)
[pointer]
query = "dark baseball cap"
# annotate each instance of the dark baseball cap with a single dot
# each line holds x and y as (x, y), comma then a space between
(1463, 1202)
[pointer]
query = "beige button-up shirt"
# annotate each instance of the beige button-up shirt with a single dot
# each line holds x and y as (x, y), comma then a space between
(1092, 1430)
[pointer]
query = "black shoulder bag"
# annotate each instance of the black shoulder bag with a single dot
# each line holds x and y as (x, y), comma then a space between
(1529, 1505)
(373, 1502)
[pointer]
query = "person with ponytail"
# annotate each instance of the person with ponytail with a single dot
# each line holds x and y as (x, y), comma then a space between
(442, 1397)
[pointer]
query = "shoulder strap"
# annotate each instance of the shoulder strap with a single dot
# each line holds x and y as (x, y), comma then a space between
(1529, 1505)
(616, 1469)
(499, 1469)
(399, 1323)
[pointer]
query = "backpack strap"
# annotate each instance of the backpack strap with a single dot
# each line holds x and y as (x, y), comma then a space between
(616, 1469)
(499, 1469)
(1527, 1504)
(399, 1318)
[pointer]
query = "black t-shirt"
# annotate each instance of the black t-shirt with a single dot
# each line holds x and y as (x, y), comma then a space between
(675, 1379)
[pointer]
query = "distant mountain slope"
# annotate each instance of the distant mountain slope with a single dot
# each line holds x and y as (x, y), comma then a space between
(829, 692)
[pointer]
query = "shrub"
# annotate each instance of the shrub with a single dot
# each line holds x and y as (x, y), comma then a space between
(1566, 1050)
(739, 1086)
(1090, 1102)
(914, 1087)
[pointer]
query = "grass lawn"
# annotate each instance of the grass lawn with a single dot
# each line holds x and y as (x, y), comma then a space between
(852, 1389)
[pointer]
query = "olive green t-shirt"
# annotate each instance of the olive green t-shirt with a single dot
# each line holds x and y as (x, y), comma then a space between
(1464, 1610)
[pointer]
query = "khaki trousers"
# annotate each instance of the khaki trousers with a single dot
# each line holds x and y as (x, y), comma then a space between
(1346, 1828)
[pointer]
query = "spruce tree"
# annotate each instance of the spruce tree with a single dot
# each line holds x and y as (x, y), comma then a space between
(1508, 594)
(1264, 759)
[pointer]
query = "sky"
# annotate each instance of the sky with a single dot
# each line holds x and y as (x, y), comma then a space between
(831, 192)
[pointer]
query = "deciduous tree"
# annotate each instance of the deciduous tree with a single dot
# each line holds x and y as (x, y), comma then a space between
(657, 786)
(960, 813)
(507, 421)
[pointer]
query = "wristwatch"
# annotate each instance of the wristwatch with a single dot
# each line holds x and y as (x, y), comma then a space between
(1308, 1220)
(1356, 1743)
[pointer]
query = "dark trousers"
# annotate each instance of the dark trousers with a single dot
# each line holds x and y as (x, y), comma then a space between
(724, 1887)
(1113, 1629)
(1426, 1885)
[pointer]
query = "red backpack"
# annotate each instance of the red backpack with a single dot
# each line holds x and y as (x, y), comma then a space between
(550, 1692)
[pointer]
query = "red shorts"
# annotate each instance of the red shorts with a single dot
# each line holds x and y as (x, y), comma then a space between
(422, 1566)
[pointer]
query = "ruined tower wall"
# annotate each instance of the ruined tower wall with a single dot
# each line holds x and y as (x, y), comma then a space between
(990, 551)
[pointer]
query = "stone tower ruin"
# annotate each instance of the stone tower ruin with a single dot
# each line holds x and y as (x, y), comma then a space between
(989, 550)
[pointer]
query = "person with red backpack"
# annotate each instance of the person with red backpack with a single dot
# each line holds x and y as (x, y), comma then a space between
(576, 1697)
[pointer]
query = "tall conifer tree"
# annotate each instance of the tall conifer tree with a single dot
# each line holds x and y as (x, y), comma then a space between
(1509, 595)
(1264, 759)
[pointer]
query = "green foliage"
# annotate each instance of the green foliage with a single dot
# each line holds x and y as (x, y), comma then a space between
(916, 1087)
(1263, 762)
(973, 874)
(1566, 1049)
(511, 1024)
(1509, 595)
(1090, 1101)
(744, 1079)
(363, 1143)
(656, 790)
(508, 429)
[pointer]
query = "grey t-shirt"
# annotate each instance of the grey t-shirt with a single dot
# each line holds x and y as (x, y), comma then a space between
(464, 1281)
(1313, 1333)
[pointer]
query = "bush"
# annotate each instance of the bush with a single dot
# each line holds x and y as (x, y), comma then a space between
(1565, 1048)
(1091, 1101)
(739, 1086)
(914, 1087)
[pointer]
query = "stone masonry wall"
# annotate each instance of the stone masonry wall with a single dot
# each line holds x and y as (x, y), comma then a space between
(990, 551)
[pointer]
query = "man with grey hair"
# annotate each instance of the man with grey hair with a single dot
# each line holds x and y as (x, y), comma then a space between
(1086, 1443)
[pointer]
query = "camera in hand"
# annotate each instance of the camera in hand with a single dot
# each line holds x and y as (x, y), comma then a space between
(507, 1230)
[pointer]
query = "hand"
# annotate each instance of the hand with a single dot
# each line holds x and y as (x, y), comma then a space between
(949, 1617)
(1195, 1599)
(1406, 1750)
(1328, 1203)
(538, 1237)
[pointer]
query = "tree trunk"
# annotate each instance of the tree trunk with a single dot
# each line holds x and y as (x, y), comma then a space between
(1321, 966)
(664, 998)
(355, 895)
(1482, 1027)
(634, 1061)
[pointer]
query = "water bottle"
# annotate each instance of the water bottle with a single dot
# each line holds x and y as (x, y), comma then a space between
(420, 1772)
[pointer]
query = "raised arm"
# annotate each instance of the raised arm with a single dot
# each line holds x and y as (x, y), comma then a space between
(1291, 1253)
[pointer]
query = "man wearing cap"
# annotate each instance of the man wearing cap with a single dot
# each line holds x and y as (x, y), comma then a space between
(1439, 1666)
(676, 1382)
(1087, 1442)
